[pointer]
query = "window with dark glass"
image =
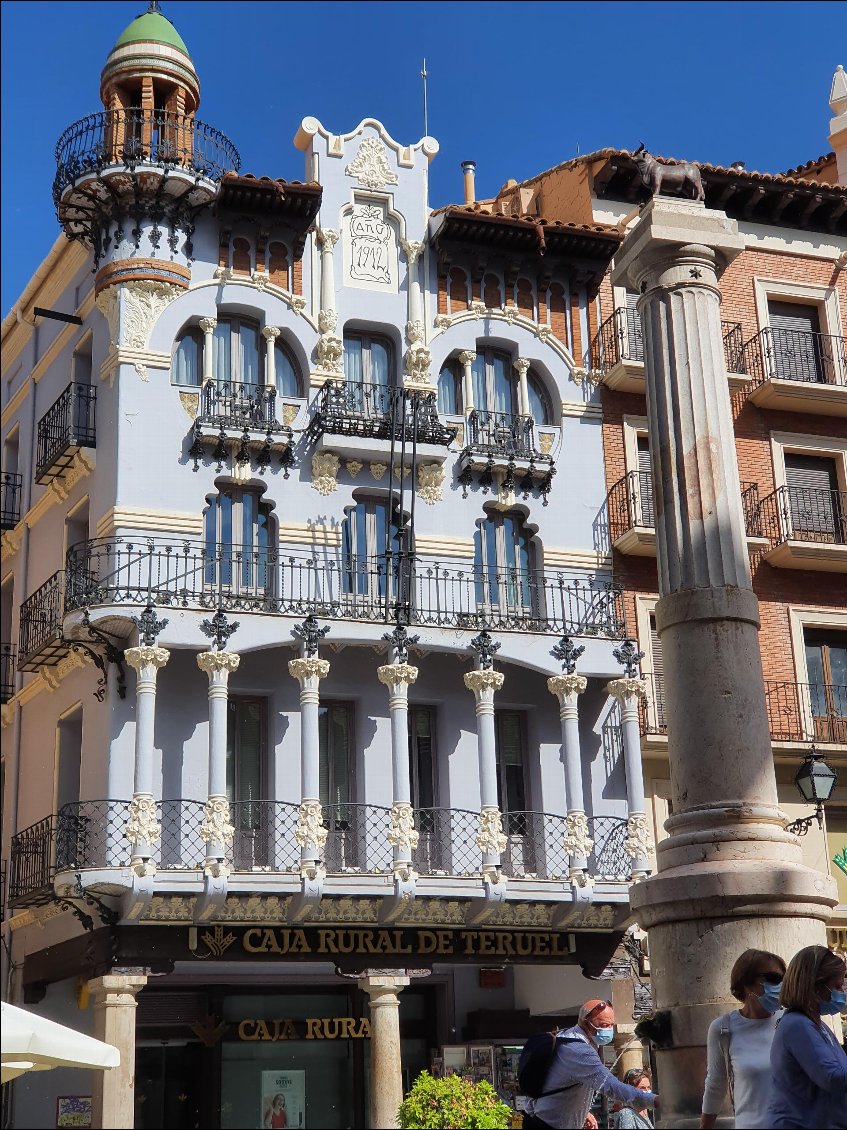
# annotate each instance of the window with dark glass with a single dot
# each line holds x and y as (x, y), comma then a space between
(511, 781)
(421, 756)
(503, 562)
(245, 749)
(371, 540)
(450, 388)
(800, 353)
(238, 541)
(286, 371)
(493, 387)
(826, 666)
(188, 357)
(368, 372)
(335, 727)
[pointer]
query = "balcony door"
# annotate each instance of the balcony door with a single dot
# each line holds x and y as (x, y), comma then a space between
(633, 343)
(373, 541)
(236, 352)
(245, 761)
(826, 666)
(238, 543)
(814, 503)
(503, 566)
(798, 347)
(367, 374)
(521, 835)
(335, 777)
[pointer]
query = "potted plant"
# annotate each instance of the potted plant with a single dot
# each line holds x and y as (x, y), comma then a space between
(452, 1102)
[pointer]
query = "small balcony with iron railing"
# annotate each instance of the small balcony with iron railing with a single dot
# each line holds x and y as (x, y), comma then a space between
(10, 499)
(111, 572)
(90, 837)
(632, 515)
(40, 643)
(796, 371)
(617, 351)
(240, 419)
(66, 427)
(508, 448)
(805, 529)
(8, 668)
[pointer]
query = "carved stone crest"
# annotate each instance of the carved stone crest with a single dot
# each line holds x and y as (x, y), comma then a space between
(370, 166)
(325, 472)
(430, 482)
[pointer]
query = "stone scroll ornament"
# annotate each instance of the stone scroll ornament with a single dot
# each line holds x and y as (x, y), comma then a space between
(678, 179)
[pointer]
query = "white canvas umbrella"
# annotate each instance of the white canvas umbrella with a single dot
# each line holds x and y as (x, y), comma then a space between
(31, 1043)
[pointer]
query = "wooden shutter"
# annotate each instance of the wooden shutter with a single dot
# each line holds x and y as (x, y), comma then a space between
(634, 342)
(811, 484)
(658, 668)
(796, 342)
(645, 483)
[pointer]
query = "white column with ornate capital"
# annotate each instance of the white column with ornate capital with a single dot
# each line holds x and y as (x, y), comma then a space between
(311, 833)
(490, 839)
(402, 834)
(330, 347)
(418, 356)
(578, 842)
(208, 326)
(217, 830)
(114, 1006)
(467, 357)
(637, 845)
(522, 368)
(386, 1062)
(143, 829)
(270, 334)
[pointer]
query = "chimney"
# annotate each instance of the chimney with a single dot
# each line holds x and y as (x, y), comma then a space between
(838, 122)
(469, 171)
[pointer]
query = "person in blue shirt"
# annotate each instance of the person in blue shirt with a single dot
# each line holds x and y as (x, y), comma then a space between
(808, 1065)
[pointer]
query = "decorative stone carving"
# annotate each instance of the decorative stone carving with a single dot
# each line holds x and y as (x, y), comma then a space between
(327, 238)
(477, 309)
(343, 910)
(402, 833)
(442, 321)
(433, 912)
(12, 540)
(307, 667)
(224, 274)
(370, 166)
(214, 662)
(310, 832)
(354, 467)
(519, 914)
(543, 333)
(270, 333)
(545, 442)
(416, 364)
(190, 401)
(325, 472)
(484, 680)
(171, 908)
(624, 689)
(393, 673)
(297, 303)
(260, 280)
(490, 839)
(208, 325)
(430, 482)
(582, 376)
(595, 917)
(108, 302)
(564, 685)
(289, 413)
(638, 843)
(143, 827)
(511, 313)
(412, 250)
(143, 303)
(330, 350)
(216, 827)
(578, 842)
(145, 656)
(460, 435)
(378, 470)
(414, 332)
(327, 321)
(372, 245)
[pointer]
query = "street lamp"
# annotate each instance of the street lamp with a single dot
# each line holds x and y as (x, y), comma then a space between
(816, 781)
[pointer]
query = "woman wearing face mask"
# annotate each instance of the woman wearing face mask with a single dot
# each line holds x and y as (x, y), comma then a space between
(808, 1065)
(739, 1043)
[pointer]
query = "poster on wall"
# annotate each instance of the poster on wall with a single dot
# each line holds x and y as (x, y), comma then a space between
(73, 1110)
(283, 1100)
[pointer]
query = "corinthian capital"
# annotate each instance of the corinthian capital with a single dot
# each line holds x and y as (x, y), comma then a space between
(522, 365)
(564, 685)
(270, 333)
(393, 673)
(467, 356)
(310, 667)
(411, 249)
(484, 680)
(327, 238)
(623, 689)
(138, 657)
(217, 662)
(208, 325)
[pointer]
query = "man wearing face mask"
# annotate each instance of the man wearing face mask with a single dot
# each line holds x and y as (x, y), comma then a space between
(578, 1071)
(739, 1043)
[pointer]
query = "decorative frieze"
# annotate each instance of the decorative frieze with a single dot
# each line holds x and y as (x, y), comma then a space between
(378, 470)
(353, 467)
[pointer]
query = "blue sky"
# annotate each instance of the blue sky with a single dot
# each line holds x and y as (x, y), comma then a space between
(518, 87)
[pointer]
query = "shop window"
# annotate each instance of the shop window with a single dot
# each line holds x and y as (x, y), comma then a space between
(239, 542)
(450, 388)
(504, 563)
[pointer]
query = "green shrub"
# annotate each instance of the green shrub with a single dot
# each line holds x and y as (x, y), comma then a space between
(453, 1103)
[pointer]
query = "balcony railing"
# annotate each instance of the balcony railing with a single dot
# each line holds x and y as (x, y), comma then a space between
(246, 407)
(378, 411)
(620, 339)
(7, 672)
(793, 355)
(797, 514)
(502, 434)
(91, 835)
(41, 625)
(631, 503)
(64, 428)
(797, 712)
(195, 575)
(135, 136)
(10, 499)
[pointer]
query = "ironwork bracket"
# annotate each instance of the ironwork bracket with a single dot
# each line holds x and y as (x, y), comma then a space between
(101, 660)
(108, 917)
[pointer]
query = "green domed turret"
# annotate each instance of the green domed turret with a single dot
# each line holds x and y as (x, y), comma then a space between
(152, 27)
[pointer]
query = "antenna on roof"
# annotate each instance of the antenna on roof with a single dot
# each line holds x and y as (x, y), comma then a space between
(426, 120)
(577, 149)
(154, 7)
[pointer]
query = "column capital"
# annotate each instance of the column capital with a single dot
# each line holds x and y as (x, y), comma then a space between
(383, 987)
(327, 238)
(564, 685)
(216, 662)
(477, 681)
(412, 249)
(627, 689)
(208, 325)
(308, 667)
(521, 365)
(270, 333)
(393, 674)
(143, 827)
(467, 356)
(310, 831)
(144, 656)
(113, 986)
(638, 843)
(578, 841)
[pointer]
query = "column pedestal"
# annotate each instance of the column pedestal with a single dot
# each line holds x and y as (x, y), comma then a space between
(113, 1091)
(386, 1062)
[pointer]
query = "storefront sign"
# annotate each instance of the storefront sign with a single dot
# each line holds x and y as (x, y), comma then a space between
(317, 1028)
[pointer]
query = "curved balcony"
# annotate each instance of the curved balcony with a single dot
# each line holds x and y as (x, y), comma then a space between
(91, 836)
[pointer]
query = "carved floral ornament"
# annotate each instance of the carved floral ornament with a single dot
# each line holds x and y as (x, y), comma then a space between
(310, 832)
(566, 686)
(638, 843)
(626, 689)
(216, 827)
(131, 320)
(490, 839)
(218, 662)
(394, 674)
(477, 681)
(370, 167)
(144, 656)
(143, 827)
(308, 668)
(325, 472)
(430, 482)
(578, 842)
(402, 833)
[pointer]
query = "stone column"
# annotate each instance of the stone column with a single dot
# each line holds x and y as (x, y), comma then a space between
(578, 842)
(729, 876)
(217, 830)
(417, 357)
(143, 829)
(637, 845)
(467, 357)
(208, 326)
(386, 1063)
(402, 834)
(521, 368)
(270, 334)
(113, 1091)
(330, 347)
(311, 833)
(490, 839)
(627, 1045)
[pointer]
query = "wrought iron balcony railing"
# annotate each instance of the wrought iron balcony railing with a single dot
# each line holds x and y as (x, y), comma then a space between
(64, 428)
(797, 514)
(245, 407)
(619, 339)
(134, 136)
(7, 672)
(630, 503)
(378, 411)
(502, 434)
(91, 835)
(793, 355)
(189, 574)
(10, 499)
(40, 640)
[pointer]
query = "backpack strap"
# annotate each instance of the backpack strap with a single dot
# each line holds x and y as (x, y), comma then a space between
(569, 1086)
(725, 1042)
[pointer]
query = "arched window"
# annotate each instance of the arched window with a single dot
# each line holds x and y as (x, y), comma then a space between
(285, 368)
(539, 404)
(188, 357)
(237, 353)
(494, 390)
(503, 564)
(368, 372)
(450, 388)
(239, 546)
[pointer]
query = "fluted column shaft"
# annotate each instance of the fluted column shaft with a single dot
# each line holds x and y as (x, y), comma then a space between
(402, 835)
(143, 828)
(216, 829)
(578, 844)
(629, 692)
(310, 833)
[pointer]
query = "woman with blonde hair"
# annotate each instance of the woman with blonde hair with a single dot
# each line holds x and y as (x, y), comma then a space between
(808, 1065)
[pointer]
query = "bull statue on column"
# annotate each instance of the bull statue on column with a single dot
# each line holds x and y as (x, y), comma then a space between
(679, 179)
